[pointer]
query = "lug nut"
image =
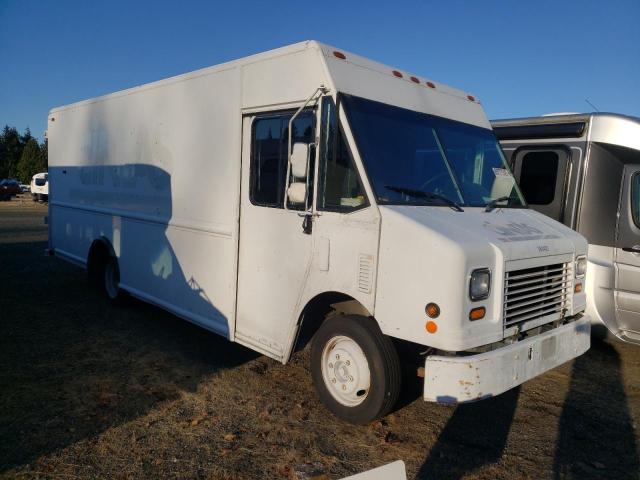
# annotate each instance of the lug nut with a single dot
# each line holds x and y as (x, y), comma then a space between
(350, 378)
(348, 362)
(337, 357)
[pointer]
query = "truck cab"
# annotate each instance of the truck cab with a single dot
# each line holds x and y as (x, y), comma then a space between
(464, 267)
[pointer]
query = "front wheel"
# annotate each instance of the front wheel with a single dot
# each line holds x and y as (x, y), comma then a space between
(355, 368)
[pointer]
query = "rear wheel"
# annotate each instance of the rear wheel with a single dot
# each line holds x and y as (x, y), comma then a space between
(111, 279)
(355, 368)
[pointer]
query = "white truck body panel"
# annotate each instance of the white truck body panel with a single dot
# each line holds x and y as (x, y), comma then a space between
(506, 234)
(162, 173)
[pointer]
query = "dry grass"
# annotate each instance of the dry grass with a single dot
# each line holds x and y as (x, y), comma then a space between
(92, 391)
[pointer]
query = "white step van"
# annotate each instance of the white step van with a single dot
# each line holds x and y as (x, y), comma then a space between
(307, 192)
(584, 171)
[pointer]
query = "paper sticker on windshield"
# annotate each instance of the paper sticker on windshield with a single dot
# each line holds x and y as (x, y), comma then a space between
(501, 172)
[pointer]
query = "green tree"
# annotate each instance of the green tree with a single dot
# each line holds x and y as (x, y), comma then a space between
(25, 137)
(11, 152)
(12, 147)
(30, 161)
(44, 157)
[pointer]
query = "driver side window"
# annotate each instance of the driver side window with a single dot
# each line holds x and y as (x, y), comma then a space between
(269, 148)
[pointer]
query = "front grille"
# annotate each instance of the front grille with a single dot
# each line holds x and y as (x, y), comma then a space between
(533, 293)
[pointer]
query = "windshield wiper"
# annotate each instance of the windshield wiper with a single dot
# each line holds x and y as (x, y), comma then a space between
(421, 194)
(494, 203)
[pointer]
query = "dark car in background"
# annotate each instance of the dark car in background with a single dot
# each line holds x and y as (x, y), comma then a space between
(8, 188)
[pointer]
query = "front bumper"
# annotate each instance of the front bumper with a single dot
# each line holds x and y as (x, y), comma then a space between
(475, 377)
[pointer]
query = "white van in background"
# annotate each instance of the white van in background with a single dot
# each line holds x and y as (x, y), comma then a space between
(40, 187)
(584, 171)
(308, 192)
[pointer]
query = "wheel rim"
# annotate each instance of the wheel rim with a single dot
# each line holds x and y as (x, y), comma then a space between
(111, 279)
(345, 371)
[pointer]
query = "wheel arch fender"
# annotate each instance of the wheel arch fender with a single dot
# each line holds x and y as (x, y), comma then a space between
(317, 310)
(100, 250)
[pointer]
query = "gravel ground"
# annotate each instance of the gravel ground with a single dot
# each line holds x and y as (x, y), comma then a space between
(90, 390)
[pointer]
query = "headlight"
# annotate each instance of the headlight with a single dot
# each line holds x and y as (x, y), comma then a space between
(479, 284)
(581, 266)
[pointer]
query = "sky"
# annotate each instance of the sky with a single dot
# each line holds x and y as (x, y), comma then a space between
(520, 58)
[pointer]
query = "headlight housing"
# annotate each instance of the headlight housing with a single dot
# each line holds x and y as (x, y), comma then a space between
(479, 284)
(581, 266)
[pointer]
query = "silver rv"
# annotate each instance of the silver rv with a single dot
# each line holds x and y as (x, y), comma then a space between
(584, 171)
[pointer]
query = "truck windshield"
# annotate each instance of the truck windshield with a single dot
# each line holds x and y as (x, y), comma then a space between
(414, 158)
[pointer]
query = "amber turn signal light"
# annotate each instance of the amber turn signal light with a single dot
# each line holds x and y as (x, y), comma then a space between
(432, 310)
(431, 327)
(477, 313)
(577, 288)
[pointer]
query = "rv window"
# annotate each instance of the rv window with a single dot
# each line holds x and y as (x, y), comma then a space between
(269, 155)
(538, 176)
(339, 185)
(635, 198)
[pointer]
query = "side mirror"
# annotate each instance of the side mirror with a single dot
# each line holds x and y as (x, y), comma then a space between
(299, 171)
(299, 160)
(297, 193)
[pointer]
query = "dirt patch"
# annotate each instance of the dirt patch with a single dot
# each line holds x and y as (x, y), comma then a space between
(90, 390)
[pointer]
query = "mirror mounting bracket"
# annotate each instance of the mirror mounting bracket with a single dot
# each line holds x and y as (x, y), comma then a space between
(317, 93)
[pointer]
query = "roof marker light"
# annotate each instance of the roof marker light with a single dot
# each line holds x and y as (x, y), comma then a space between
(339, 55)
(431, 85)
(397, 73)
(471, 97)
(415, 80)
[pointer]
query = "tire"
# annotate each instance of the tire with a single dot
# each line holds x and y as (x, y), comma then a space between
(355, 368)
(111, 280)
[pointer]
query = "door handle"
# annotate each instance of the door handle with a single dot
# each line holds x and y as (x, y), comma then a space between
(635, 249)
